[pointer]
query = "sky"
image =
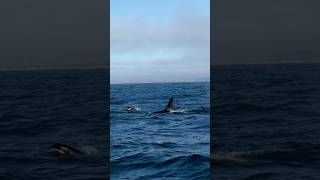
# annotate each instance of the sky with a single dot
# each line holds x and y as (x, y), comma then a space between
(266, 31)
(159, 40)
(41, 34)
(156, 40)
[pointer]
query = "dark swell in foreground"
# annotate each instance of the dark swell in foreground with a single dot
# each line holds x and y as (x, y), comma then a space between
(266, 122)
(41, 108)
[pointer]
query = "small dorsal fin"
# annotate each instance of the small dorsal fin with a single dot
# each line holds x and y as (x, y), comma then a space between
(169, 107)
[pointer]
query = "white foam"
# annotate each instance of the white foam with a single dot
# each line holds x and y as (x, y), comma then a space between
(230, 156)
(179, 111)
(89, 150)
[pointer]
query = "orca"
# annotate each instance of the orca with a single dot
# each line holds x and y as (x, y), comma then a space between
(64, 150)
(130, 109)
(168, 109)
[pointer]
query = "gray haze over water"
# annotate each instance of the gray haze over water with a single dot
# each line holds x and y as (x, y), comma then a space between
(266, 31)
(52, 34)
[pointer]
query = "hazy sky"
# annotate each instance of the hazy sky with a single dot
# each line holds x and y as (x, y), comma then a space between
(266, 31)
(52, 34)
(159, 40)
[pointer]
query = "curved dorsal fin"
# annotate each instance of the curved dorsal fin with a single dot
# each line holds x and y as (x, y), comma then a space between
(170, 105)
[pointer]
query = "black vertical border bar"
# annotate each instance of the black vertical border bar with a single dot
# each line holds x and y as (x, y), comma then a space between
(107, 38)
(212, 56)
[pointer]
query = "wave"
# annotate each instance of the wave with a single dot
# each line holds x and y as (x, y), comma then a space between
(292, 155)
(230, 158)
(165, 144)
(260, 106)
(140, 160)
(89, 150)
(188, 167)
(263, 175)
(245, 107)
(180, 161)
(193, 166)
(12, 117)
(200, 110)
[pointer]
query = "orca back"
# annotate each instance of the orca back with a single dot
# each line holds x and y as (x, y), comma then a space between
(169, 107)
(62, 149)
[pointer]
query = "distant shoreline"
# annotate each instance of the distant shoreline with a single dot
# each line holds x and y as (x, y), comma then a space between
(160, 82)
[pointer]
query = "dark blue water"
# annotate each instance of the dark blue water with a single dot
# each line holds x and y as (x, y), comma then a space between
(40, 108)
(167, 146)
(267, 122)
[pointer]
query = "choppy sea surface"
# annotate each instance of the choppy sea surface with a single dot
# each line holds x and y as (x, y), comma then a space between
(160, 146)
(266, 122)
(41, 108)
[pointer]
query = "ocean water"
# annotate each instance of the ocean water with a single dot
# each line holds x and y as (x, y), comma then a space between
(165, 146)
(41, 108)
(266, 122)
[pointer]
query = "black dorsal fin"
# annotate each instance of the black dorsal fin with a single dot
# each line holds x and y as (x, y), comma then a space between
(169, 107)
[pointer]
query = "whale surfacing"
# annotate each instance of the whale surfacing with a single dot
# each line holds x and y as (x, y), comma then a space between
(130, 109)
(168, 109)
(64, 150)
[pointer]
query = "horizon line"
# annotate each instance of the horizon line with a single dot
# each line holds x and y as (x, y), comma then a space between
(160, 82)
(266, 63)
(53, 68)
(106, 67)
